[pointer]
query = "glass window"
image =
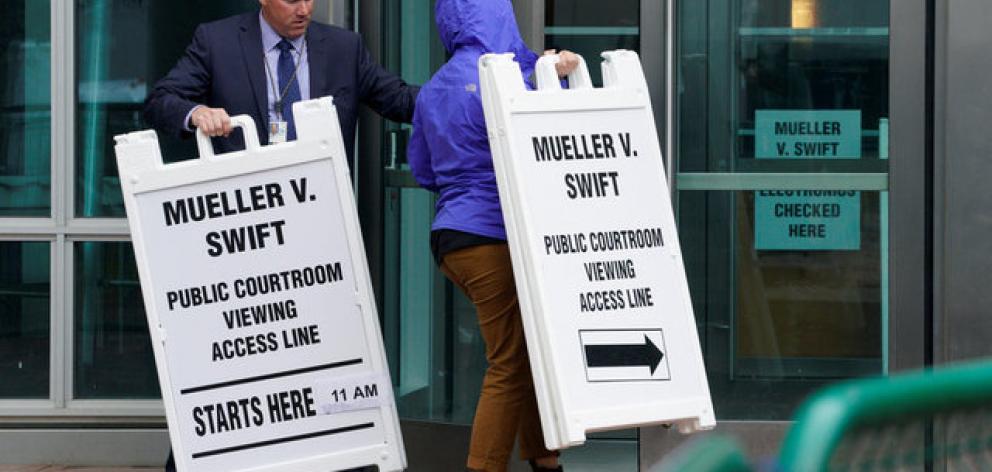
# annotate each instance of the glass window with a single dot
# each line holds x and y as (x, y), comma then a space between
(788, 282)
(25, 109)
(589, 27)
(25, 295)
(113, 351)
(114, 76)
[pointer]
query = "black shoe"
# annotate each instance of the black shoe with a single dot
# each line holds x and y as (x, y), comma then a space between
(536, 468)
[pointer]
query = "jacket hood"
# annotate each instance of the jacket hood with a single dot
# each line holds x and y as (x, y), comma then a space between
(484, 25)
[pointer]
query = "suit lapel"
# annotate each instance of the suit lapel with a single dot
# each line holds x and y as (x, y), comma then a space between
(316, 53)
(251, 52)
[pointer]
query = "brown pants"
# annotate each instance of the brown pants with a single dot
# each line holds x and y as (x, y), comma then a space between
(507, 406)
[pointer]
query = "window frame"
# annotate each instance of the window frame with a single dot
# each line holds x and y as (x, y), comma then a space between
(62, 230)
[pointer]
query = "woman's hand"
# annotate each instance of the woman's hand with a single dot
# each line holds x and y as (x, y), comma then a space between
(567, 62)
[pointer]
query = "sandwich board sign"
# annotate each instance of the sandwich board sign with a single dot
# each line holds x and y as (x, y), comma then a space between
(259, 303)
(596, 258)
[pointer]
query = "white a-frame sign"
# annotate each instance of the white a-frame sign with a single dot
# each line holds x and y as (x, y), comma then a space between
(596, 258)
(259, 304)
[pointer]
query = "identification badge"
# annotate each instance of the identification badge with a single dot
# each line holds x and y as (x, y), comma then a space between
(278, 130)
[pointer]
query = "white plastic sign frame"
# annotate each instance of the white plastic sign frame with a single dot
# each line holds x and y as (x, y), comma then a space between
(605, 303)
(259, 302)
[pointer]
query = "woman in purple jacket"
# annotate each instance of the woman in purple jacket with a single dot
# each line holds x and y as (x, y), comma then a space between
(449, 154)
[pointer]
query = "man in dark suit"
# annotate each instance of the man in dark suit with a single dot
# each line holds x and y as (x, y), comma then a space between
(259, 64)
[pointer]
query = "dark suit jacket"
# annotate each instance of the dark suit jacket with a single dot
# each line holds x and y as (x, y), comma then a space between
(223, 68)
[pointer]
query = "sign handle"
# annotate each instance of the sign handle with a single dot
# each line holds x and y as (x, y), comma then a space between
(247, 125)
(622, 68)
(547, 75)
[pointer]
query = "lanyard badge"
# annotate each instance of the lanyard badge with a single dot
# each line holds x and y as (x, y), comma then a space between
(279, 127)
(278, 130)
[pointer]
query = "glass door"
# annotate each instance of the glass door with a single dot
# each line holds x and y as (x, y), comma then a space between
(782, 117)
(435, 351)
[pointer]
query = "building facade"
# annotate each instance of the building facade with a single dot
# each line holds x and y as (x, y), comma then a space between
(828, 160)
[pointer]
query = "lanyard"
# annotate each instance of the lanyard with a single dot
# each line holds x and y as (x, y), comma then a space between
(275, 88)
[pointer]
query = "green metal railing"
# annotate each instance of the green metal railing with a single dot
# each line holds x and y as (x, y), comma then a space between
(824, 420)
(955, 401)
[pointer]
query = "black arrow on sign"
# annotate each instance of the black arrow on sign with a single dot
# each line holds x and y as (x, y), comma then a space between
(624, 355)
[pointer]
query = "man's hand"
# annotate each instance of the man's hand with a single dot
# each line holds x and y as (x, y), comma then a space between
(567, 62)
(212, 121)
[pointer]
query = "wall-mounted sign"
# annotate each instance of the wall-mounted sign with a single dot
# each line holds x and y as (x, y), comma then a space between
(808, 220)
(258, 300)
(596, 258)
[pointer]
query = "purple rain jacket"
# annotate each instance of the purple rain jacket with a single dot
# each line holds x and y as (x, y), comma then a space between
(449, 149)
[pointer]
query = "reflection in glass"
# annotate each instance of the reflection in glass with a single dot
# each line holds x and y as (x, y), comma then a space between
(25, 109)
(113, 351)
(25, 294)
